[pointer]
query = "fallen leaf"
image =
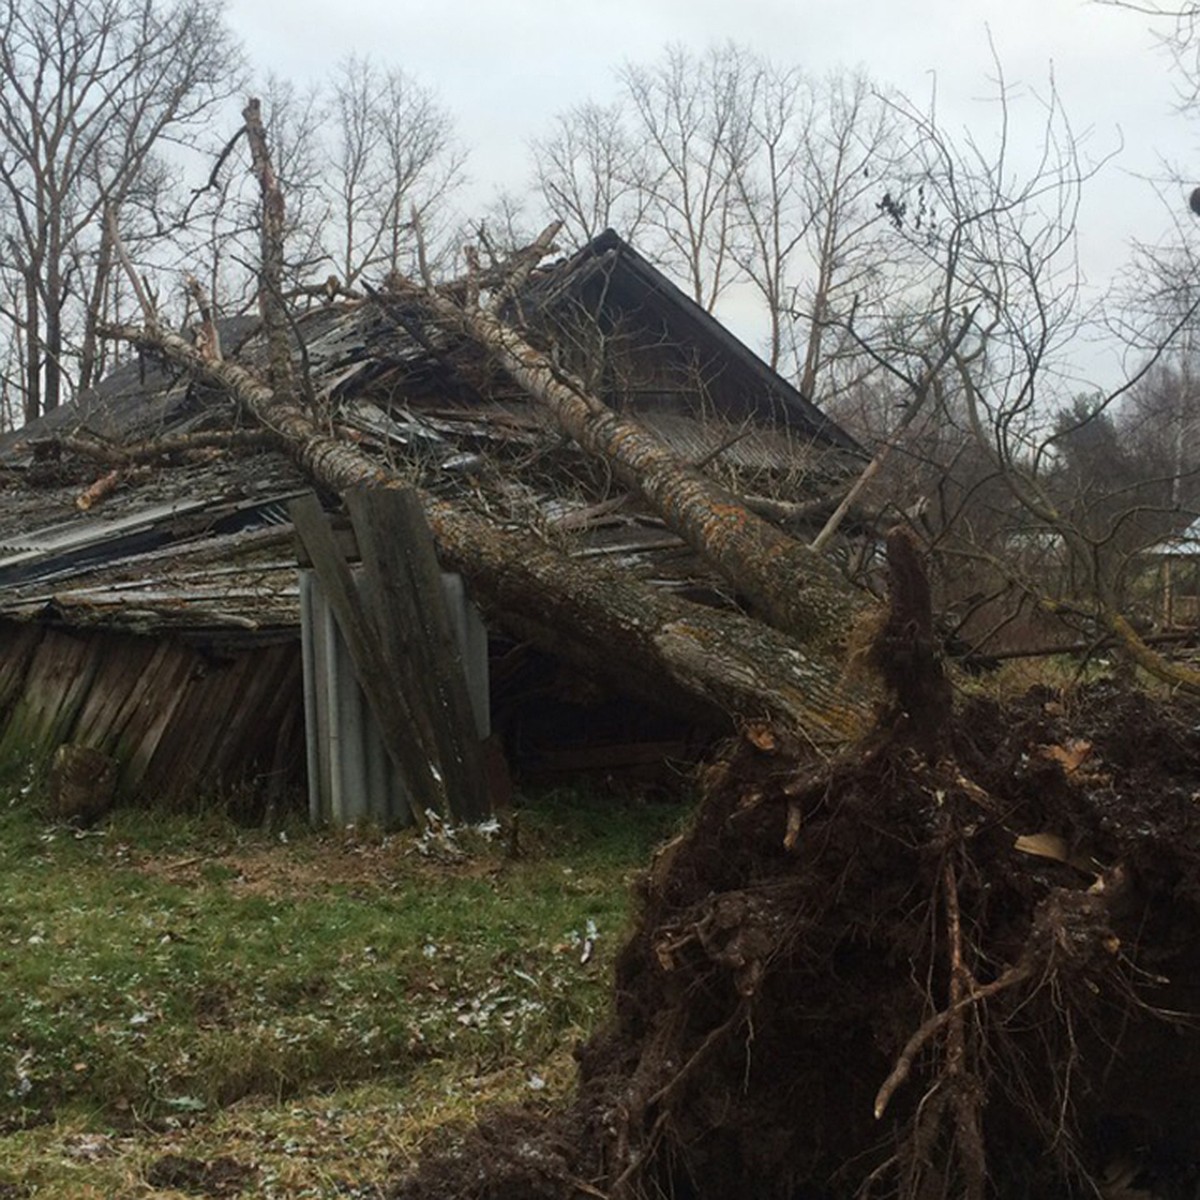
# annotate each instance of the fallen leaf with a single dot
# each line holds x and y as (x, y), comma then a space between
(1071, 755)
(761, 736)
(1044, 845)
(1055, 846)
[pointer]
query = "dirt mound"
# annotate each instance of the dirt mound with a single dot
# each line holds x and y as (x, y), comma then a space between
(961, 960)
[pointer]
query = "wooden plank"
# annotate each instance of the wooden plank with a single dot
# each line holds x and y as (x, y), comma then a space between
(343, 536)
(169, 678)
(59, 679)
(403, 586)
(471, 640)
(397, 726)
(182, 759)
(449, 675)
(18, 643)
(390, 606)
(246, 732)
(343, 741)
(281, 774)
(108, 706)
(279, 728)
(165, 711)
(393, 607)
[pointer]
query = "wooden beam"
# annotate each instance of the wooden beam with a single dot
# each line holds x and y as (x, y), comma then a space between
(402, 584)
(398, 725)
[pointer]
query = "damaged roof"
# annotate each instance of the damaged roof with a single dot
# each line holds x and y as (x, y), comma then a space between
(196, 539)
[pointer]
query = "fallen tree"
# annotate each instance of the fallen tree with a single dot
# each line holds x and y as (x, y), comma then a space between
(721, 665)
(793, 587)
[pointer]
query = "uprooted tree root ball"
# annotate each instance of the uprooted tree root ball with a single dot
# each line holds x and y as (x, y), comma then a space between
(960, 960)
(854, 984)
(976, 975)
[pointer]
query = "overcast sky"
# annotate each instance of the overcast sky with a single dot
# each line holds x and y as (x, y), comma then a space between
(503, 67)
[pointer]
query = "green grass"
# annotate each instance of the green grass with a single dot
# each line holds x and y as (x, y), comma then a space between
(160, 970)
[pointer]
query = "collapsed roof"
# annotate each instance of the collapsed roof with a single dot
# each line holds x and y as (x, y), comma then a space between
(150, 505)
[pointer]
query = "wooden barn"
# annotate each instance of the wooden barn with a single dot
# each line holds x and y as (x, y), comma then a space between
(149, 593)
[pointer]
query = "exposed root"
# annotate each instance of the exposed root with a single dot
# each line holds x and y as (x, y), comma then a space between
(935, 1024)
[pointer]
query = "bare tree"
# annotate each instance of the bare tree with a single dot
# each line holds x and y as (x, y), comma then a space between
(853, 154)
(817, 157)
(591, 172)
(990, 323)
(90, 91)
(769, 181)
(420, 164)
(729, 166)
(367, 151)
(688, 113)
(354, 176)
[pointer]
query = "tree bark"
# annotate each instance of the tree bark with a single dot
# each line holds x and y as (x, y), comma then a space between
(33, 350)
(716, 665)
(795, 589)
(91, 365)
(55, 296)
(270, 275)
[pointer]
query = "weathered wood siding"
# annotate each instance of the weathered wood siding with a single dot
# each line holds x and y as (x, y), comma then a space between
(182, 723)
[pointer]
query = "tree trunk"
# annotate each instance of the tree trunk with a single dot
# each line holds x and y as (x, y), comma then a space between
(796, 590)
(270, 275)
(52, 395)
(90, 362)
(718, 665)
(33, 350)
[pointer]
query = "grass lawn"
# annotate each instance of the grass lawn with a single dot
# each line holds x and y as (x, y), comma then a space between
(189, 1007)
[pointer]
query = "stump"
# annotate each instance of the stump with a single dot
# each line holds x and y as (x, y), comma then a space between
(82, 784)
